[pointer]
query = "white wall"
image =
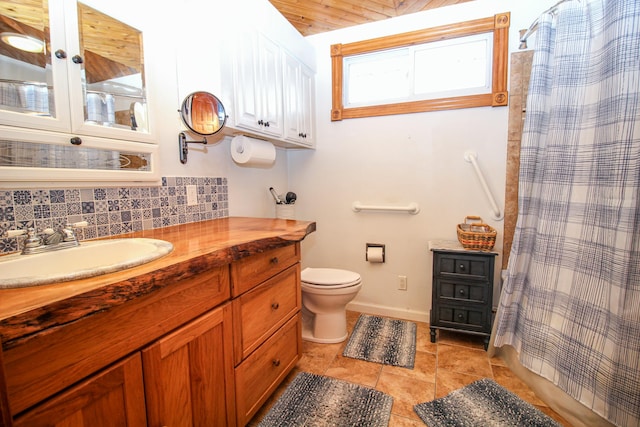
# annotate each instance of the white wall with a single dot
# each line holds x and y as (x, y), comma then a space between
(396, 160)
(386, 160)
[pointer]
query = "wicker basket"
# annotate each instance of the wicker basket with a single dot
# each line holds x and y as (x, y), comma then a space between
(474, 234)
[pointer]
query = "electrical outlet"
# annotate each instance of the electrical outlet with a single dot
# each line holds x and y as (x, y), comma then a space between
(192, 195)
(402, 283)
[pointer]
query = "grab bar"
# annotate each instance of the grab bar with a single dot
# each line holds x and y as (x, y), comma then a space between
(472, 157)
(412, 208)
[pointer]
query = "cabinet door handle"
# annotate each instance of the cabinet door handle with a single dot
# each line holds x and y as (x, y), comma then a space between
(276, 362)
(75, 140)
(460, 316)
(274, 260)
(77, 59)
(275, 306)
(61, 54)
(461, 291)
(462, 267)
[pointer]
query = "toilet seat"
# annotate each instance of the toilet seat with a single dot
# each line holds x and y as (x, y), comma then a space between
(329, 278)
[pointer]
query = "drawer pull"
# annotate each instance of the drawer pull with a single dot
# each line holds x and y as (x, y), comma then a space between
(275, 306)
(460, 316)
(461, 291)
(274, 260)
(462, 267)
(276, 362)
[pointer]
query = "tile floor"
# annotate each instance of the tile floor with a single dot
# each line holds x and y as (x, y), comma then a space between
(454, 361)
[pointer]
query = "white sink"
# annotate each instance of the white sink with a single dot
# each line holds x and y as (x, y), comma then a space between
(90, 259)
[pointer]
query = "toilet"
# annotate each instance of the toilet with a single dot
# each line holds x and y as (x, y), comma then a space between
(325, 295)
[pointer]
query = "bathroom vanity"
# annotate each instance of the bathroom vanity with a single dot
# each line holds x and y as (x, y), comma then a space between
(462, 289)
(202, 336)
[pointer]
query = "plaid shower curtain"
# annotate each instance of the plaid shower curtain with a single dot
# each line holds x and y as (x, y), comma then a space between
(570, 305)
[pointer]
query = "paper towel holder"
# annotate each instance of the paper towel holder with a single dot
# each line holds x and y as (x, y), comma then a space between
(374, 245)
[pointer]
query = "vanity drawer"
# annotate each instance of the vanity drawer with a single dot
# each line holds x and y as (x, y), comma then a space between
(476, 267)
(258, 313)
(248, 272)
(259, 375)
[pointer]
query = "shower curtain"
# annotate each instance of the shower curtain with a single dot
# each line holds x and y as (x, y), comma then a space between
(570, 305)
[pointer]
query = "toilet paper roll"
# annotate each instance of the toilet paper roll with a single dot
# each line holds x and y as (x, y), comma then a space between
(375, 254)
(247, 151)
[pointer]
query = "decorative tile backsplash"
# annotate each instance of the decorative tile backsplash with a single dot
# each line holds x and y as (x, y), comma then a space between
(112, 210)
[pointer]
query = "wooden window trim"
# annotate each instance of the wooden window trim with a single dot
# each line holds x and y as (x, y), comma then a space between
(498, 24)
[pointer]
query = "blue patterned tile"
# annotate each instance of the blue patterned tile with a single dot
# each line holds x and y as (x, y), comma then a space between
(41, 211)
(74, 208)
(56, 196)
(6, 214)
(114, 217)
(88, 207)
(124, 193)
(99, 193)
(72, 195)
(6, 198)
(114, 205)
(22, 197)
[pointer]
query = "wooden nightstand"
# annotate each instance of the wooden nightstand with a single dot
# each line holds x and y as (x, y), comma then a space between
(462, 290)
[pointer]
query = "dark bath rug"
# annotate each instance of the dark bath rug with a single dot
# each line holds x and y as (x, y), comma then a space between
(482, 403)
(319, 401)
(382, 340)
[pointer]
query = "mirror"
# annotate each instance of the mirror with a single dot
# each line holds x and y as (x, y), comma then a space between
(203, 113)
(113, 71)
(25, 73)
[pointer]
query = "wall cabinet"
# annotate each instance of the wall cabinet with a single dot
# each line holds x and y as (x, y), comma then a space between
(258, 85)
(462, 292)
(87, 81)
(299, 101)
(273, 92)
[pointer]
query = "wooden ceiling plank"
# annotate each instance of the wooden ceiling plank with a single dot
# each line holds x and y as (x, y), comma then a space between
(317, 16)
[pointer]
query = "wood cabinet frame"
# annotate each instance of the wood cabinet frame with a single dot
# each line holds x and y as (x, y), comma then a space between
(498, 24)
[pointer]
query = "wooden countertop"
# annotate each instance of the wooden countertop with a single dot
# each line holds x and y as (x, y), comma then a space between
(25, 312)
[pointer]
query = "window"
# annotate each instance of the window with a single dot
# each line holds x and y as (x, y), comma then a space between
(454, 66)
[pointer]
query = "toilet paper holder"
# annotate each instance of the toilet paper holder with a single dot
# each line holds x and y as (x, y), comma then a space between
(374, 245)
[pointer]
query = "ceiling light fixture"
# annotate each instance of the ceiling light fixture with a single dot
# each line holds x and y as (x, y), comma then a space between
(23, 42)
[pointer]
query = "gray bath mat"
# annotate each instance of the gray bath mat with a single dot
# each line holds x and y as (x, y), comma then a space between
(382, 340)
(482, 403)
(316, 400)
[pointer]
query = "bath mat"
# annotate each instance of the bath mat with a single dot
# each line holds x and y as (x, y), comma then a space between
(382, 340)
(316, 400)
(482, 403)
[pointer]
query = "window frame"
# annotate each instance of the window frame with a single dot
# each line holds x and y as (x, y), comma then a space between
(498, 24)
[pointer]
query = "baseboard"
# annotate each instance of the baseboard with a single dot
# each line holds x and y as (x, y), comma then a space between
(380, 310)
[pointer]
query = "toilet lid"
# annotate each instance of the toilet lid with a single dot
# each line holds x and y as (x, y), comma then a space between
(329, 277)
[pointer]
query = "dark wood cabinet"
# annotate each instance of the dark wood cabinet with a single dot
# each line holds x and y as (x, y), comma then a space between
(462, 292)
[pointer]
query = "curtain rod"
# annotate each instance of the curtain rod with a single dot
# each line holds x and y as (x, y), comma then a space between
(532, 29)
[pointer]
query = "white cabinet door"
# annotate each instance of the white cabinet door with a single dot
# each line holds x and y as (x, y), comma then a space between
(298, 92)
(258, 85)
(87, 81)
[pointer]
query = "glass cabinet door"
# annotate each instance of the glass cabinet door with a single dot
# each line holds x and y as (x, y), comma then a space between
(112, 72)
(28, 74)
(82, 71)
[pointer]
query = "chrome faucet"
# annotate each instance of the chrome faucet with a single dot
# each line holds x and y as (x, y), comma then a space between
(49, 240)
